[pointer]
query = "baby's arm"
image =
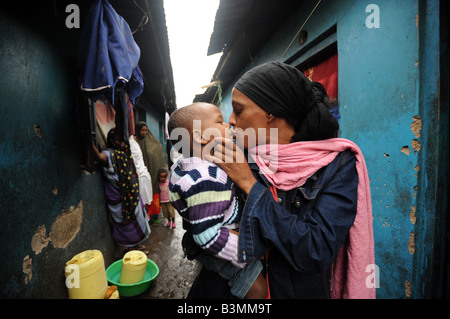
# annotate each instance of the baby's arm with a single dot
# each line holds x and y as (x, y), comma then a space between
(210, 234)
(204, 197)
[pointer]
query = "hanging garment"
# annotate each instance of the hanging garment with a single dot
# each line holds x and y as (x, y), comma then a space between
(108, 56)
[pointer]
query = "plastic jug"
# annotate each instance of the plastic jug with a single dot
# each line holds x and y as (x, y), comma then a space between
(134, 264)
(86, 276)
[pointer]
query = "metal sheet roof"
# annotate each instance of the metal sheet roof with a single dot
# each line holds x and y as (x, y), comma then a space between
(240, 30)
(153, 41)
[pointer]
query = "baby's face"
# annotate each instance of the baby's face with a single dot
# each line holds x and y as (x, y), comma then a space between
(213, 123)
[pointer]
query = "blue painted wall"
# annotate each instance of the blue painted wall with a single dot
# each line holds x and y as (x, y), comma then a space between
(40, 176)
(387, 76)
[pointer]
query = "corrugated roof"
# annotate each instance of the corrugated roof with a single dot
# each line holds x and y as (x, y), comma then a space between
(230, 18)
(241, 28)
(153, 41)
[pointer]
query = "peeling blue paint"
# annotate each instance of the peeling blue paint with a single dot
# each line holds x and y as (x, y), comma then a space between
(38, 87)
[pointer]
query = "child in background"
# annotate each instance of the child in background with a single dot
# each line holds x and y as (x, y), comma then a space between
(207, 200)
(166, 206)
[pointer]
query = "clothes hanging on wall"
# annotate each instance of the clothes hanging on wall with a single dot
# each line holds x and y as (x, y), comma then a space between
(108, 59)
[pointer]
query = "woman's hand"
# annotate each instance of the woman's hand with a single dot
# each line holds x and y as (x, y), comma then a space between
(231, 159)
(101, 157)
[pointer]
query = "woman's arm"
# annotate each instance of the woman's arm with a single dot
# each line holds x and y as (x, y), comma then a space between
(232, 160)
(100, 156)
(309, 243)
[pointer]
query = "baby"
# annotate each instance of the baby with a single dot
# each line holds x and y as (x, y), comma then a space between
(206, 198)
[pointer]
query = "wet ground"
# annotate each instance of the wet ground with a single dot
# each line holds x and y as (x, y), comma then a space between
(176, 273)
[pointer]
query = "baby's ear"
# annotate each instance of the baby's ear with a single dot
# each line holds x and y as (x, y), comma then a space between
(197, 136)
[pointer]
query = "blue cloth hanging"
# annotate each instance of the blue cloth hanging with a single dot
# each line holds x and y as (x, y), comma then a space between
(108, 56)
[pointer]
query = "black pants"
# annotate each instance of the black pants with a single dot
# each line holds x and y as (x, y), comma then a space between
(209, 285)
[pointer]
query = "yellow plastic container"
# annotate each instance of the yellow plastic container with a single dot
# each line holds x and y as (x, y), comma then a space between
(134, 264)
(86, 276)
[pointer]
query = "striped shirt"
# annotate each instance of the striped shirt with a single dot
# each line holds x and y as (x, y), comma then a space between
(204, 196)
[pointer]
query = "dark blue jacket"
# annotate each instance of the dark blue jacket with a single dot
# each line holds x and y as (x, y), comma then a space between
(302, 231)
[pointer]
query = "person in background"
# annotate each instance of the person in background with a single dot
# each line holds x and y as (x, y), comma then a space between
(166, 206)
(121, 182)
(152, 152)
(145, 180)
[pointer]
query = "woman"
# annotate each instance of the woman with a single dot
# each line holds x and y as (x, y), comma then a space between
(152, 152)
(308, 209)
(128, 219)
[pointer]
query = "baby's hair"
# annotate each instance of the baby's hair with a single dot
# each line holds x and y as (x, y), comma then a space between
(183, 117)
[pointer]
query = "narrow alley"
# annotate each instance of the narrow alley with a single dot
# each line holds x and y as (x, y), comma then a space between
(176, 273)
(76, 69)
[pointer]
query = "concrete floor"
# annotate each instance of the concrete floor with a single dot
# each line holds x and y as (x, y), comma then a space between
(176, 274)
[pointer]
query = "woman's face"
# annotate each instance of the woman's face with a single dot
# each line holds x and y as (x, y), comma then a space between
(143, 131)
(246, 118)
(118, 143)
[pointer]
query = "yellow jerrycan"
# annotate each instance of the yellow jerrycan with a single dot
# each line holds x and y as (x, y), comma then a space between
(134, 264)
(86, 276)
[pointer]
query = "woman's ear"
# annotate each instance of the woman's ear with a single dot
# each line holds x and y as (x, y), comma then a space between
(270, 117)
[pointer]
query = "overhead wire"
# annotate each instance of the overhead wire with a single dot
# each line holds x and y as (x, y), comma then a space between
(144, 19)
(301, 28)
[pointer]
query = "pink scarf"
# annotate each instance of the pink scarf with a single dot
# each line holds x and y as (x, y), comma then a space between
(288, 166)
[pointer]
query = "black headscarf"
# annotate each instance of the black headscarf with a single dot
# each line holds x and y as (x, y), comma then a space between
(285, 92)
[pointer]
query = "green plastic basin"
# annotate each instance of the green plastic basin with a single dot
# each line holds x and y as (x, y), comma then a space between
(129, 290)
